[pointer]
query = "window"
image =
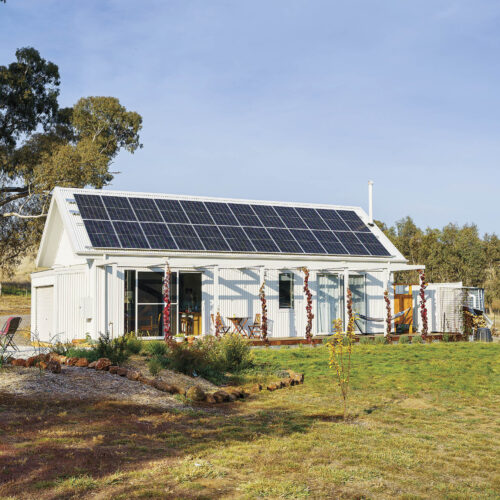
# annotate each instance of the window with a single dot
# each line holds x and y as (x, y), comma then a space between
(286, 290)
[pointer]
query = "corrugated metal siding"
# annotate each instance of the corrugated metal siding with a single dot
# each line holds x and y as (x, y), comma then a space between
(70, 290)
(239, 292)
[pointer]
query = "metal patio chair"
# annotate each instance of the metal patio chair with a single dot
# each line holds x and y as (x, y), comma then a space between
(8, 331)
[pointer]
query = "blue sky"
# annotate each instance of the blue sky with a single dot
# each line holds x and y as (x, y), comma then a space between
(292, 100)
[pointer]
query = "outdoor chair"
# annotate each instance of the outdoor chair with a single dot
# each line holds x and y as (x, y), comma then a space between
(8, 331)
(256, 327)
(223, 329)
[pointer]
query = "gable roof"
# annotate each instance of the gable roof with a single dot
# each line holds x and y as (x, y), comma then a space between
(64, 207)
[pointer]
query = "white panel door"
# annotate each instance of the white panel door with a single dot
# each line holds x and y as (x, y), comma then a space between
(44, 313)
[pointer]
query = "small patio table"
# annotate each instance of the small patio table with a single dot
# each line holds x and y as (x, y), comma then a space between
(239, 324)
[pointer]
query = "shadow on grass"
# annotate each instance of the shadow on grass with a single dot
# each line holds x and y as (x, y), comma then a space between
(45, 441)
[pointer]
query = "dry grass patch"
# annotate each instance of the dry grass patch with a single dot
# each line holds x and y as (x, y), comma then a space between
(424, 423)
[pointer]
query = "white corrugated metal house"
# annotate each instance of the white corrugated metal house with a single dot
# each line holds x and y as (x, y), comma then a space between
(106, 252)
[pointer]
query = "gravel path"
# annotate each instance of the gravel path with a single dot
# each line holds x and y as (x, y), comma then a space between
(80, 384)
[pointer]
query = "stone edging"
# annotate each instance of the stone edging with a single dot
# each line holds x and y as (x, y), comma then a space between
(53, 362)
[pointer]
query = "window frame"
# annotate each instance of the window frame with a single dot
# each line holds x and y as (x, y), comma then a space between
(291, 295)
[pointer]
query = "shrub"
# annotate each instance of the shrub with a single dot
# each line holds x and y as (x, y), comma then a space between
(155, 365)
(417, 339)
(61, 348)
(113, 349)
(75, 352)
(380, 339)
(235, 352)
(404, 339)
(366, 340)
(446, 337)
(134, 345)
(156, 348)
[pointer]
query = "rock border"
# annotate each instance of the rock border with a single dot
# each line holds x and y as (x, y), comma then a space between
(53, 362)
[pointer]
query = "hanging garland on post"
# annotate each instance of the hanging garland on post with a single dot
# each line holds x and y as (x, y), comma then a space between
(263, 302)
(388, 319)
(309, 313)
(423, 307)
(350, 316)
(218, 324)
(167, 330)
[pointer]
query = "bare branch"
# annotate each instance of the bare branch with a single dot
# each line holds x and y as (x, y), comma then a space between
(21, 216)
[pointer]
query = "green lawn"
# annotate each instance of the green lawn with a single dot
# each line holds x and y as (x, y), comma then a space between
(424, 424)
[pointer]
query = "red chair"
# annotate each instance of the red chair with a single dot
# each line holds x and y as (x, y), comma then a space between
(8, 331)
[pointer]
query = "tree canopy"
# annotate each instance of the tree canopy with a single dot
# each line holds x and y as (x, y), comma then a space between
(43, 146)
(450, 254)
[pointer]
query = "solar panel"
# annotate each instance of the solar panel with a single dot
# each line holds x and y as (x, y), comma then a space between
(171, 211)
(352, 244)
(185, 237)
(353, 220)
(285, 240)
(333, 220)
(237, 239)
(119, 208)
(221, 214)
(330, 242)
(158, 236)
(212, 238)
(291, 218)
(260, 239)
(145, 209)
(143, 223)
(130, 234)
(196, 212)
(311, 218)
(307, 241)
(245, 214)
(268, 216)
(372, 244)
(101, 233)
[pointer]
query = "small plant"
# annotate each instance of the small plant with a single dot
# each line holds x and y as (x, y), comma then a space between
(446, 337)
(79, 352)
(235, 352)
(340, 358)
(113, 349)
(134, 345)
(340, 348)
(380, 339)
(404, 339)
(417, 339)
(156, 348)
(366, 340)
(155, 365)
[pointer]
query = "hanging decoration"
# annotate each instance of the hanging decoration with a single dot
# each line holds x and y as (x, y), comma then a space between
(350, 315)
(167, 279)
(388, 320)
(263, 302)
(218, 325)
(423, 307)
(309, 313)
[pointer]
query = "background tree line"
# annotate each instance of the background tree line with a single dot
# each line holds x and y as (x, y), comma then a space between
(450, 254)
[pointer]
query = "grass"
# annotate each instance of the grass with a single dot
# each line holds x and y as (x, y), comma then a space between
(423, 423)
(14, 304)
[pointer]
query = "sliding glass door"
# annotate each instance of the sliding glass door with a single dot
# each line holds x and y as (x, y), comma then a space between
(357, 287)
(330, 301)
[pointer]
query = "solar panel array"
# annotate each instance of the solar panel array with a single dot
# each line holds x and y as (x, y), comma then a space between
(160, 224)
